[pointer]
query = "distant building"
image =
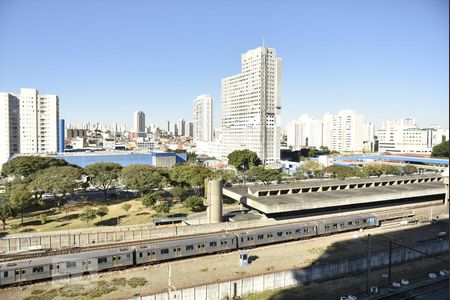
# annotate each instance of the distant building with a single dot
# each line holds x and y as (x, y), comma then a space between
(203, 119)
(181, 124)
(139, 121)
(343, 132)
(305, 132)
(404, 136)
(29, 123)
(251, 106)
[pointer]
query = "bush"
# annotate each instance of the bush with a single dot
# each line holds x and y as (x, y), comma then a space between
(194, 203)
(43, 218)
(119, 281)
(136, 281)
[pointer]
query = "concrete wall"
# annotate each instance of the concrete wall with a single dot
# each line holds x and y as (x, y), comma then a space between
(320, 271)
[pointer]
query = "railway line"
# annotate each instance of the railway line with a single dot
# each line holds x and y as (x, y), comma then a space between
(424, 290)
(386, 219)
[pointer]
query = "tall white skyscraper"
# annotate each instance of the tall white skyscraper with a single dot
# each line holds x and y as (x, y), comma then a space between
(203, 118)
(305, 132)
(139, 121)
(251, 106)
(29, 123)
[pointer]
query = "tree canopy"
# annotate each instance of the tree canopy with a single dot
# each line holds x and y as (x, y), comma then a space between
(440, 150)
(6, 209)
(243, 159)
(311, 168)
(194, 203)
(104, 174)
(88, 215)
(143, 178)
(190, 175)
(263, 174)
(24, 166)
(58, 181)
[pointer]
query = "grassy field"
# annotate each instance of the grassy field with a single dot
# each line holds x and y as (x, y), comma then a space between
(65, 219)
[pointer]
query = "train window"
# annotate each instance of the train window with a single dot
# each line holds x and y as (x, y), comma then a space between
(51, 267)
(297, 231)
(306, 230)
(57, 267)
(128, 256)
(270, 235)
(364, 221)
(288, 232)
(327, 227)
(38, 269)
(119, 257)
(242, 239)
(140, 254)
(5, 274)
(164, 251)
(149, 253)
(261, 237)
(23, 271)
(189, 247)
(280, 233)
(71, 264)
(350, 223)
(342, 224)
(335, 225)
(17, 272)
(213, 244)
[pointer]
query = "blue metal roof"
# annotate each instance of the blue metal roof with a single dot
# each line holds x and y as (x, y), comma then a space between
(437, 161)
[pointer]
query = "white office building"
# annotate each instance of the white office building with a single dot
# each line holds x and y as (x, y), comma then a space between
(139, 121)
(305, 132)
(28, 123)
(251, 106)
(369, 137)
(203, 118)
(404, 136)
(343, 132)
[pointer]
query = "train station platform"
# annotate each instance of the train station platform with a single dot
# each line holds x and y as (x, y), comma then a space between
(328, 194)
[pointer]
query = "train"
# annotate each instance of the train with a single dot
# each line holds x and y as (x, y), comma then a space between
(45, 268)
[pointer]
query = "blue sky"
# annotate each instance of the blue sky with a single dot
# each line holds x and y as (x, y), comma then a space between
(106, 59)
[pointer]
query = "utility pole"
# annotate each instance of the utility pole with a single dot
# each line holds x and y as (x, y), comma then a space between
(369, 261)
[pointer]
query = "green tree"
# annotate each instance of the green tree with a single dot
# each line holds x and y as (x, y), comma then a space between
(340, 172)
(243, 159)
(143, 178)
(6, 210)
(312, 152)
(179, 192)
(190, 175)
(103, 174)
(102, 211)
(24, 166)
(440, 150)
(20, 199)
(150, 200)
(126, 207)
(58, 181)
(88, 215)
(226, 176)
(263, 174)
(410, 169)
(311, 168)
(194, 203)
(324, 150)
(163, 206)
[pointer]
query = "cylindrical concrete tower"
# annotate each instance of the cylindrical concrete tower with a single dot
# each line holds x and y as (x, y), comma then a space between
(214, 195)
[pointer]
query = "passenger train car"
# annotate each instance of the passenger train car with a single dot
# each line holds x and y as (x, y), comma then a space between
(150, 253)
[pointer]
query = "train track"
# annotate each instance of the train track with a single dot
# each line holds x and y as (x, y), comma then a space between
(423, 289)
(77, 249)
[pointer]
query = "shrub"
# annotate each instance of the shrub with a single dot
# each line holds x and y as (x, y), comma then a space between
(43, 218)
(136, 281)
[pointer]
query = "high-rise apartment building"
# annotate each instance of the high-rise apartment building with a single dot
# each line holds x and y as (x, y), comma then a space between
(29, 123)
(181, 125)
(203, 118)
(139, 121)
(343, 132)
(251, 106)
(306, 131)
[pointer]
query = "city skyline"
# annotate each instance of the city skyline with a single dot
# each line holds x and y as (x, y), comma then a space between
(346, 59)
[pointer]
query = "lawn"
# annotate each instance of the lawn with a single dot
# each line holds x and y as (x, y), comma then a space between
(65, 219)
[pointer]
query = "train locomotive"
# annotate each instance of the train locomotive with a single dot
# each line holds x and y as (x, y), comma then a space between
(42, 268)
